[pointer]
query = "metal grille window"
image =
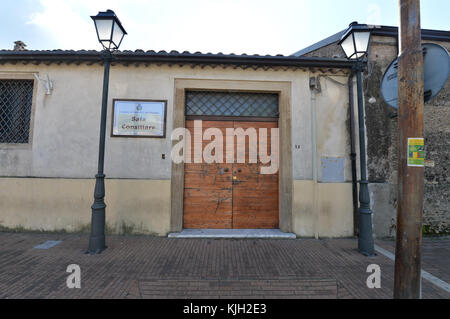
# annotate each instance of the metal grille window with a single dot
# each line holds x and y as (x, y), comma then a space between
(208, 103)
(15, 110)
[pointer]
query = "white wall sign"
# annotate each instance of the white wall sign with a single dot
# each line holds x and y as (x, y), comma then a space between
(139, 118)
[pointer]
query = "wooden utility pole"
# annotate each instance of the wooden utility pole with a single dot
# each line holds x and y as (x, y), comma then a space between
(407, 283)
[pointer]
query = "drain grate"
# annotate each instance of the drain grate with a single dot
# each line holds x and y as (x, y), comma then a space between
(48, 244)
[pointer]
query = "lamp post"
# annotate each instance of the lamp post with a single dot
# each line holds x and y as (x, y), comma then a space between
(355, 42)
(110, 34)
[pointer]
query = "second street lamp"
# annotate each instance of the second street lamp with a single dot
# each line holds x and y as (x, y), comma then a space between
(355, 42)
(110, 31)
(110, 34)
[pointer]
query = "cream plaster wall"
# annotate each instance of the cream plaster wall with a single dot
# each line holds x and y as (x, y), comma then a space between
(66, 126)
(54, 204)
(62, 156)
(333, 216)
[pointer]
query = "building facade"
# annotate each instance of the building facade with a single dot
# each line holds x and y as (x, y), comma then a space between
(50, 128)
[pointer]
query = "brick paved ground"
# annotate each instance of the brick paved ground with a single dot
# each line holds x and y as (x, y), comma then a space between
(435, 255)
(155, 267)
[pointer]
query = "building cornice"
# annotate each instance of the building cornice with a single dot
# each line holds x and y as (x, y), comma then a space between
(174, 58)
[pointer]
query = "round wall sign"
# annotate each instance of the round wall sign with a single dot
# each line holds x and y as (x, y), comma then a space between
(436, 66)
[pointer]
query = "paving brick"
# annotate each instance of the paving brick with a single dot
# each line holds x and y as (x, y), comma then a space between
(156, 267)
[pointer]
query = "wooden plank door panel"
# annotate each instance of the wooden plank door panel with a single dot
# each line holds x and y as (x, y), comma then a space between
(255, 195)
(207, 188)
(213, 199)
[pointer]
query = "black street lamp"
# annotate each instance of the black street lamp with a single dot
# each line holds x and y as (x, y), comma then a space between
(110, 34)
(355, 42)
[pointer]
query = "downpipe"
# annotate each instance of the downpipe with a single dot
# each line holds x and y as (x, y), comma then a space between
(314, 86)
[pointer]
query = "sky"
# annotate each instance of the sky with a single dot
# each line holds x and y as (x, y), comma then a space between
(227, 26)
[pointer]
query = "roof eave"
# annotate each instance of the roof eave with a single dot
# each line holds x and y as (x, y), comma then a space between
(180, 58)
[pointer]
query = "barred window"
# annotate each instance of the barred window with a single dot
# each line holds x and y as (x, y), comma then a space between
(231, 104)
(15, 110)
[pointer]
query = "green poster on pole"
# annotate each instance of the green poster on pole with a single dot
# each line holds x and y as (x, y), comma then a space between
(416, 152)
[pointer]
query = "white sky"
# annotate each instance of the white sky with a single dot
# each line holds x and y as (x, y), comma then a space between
(245, 26)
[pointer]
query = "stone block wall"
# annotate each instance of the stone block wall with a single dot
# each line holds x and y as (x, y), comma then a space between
(382, 144)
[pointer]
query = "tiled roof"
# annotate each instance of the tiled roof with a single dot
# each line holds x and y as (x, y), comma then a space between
(323, 43)
(381, 30)
(172, 57)
(137, 51)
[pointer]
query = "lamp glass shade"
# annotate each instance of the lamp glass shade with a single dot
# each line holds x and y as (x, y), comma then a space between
(348, 46)
(361, 41)
(104, 28)
(117, 35)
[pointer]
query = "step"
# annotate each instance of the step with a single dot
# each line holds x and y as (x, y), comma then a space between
(232, 233)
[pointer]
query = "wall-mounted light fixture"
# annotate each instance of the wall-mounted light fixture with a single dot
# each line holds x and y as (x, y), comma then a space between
(48, 84)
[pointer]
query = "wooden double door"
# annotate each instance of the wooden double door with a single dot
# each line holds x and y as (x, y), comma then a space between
(230, 195)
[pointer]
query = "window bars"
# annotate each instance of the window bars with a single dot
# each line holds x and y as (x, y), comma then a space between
(207, 103)
(15, 110)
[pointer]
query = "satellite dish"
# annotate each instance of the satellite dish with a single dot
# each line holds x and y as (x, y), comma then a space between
(436, 65)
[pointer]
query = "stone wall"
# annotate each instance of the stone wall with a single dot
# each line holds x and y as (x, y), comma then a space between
(382, 144)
